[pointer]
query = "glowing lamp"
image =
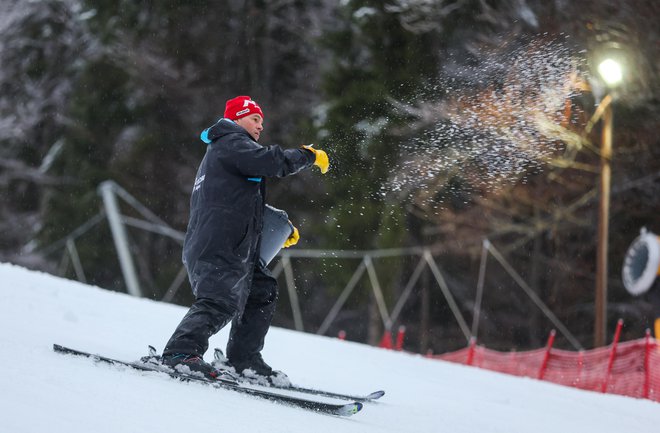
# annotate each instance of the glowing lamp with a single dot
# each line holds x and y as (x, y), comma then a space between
(611, 72)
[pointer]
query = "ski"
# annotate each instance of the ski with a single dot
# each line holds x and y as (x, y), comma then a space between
(313, 391)
(346, 409)
(221, 361)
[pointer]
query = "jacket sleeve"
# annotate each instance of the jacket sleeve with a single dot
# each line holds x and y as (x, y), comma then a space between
(252, 159)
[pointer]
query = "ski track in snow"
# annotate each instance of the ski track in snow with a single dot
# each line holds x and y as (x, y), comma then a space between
(44, 391)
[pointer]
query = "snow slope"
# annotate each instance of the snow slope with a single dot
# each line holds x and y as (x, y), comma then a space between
(46, 392)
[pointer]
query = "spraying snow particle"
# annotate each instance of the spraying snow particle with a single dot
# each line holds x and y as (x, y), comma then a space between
(494, 124)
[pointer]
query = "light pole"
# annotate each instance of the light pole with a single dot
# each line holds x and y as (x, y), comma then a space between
(611, 73)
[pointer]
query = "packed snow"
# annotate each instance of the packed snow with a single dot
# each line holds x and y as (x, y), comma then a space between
(47, 392)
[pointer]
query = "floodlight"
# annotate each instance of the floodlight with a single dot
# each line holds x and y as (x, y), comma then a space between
(611, 72)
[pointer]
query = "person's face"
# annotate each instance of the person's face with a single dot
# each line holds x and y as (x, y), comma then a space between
(253, 124)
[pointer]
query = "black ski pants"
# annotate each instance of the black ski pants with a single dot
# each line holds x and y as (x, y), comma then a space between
(207, 316)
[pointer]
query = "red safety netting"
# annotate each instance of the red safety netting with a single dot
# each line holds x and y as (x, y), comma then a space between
(631, 368)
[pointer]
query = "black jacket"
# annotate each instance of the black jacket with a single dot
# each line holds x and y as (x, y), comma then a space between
(226, 210)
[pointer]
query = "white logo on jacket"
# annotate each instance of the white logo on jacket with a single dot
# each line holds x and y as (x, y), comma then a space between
(198, 182)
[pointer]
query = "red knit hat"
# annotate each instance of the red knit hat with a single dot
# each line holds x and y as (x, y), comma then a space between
(241, 106)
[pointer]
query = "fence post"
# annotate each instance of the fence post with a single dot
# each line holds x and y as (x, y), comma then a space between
(647, 364)
(386, 340)
(617, 335)
(546, 356)
(400, 335)
(293, 294)
(580, 366)
(107, 191)
(471, 348)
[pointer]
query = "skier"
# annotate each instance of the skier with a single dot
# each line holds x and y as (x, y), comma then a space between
(221, 246)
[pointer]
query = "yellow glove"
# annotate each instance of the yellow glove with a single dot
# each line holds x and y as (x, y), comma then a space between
(322, 160)
(293, 239)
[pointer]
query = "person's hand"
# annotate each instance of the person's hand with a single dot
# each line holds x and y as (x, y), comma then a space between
(292, 239)
(321, 160)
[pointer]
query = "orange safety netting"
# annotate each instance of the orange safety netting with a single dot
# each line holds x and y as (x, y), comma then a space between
(630, 368)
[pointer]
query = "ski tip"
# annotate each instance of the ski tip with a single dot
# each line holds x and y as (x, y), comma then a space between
(350, 409)
(375, 395)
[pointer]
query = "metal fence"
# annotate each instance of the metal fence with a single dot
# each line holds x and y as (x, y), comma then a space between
(425, 258)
